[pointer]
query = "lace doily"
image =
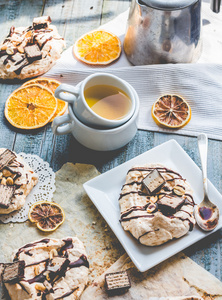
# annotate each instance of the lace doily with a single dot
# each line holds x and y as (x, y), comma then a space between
(42, 191)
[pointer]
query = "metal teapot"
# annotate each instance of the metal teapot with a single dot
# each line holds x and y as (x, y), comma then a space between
(164, 31)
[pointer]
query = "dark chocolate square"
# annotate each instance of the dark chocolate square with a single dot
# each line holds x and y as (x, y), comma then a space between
(6, 157)
(33, 52)
(13, 272)
(6, 195)
(170, 204)
(153, 182)
(117, 282)
(41, 22)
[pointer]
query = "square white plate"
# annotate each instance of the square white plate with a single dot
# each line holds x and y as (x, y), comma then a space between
(104, 191)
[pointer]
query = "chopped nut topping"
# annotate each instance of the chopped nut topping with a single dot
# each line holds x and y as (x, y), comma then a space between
(4, 47)
(153, 199)
(53, 253)
(40, 287)
(1, 175)
(10, 51)
(36, 270)
(151, 208)
(6, 173)
(21, 49)
(28, 34)
(3, 181)
(47, 276)
(9, 181)
(179, 190)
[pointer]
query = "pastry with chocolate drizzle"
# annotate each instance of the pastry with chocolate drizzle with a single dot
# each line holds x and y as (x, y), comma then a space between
(30, 51)
(156, 204)
(16, 181)
(53, 269)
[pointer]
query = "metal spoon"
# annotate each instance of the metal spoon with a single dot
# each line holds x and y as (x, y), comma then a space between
(206, 213)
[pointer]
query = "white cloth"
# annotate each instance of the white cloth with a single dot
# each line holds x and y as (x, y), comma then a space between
(200, 84)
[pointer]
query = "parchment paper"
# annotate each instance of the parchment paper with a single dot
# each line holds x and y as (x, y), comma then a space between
(82, 220)
(178, 276)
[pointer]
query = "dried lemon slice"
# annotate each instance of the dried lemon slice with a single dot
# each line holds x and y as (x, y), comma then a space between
(30, 107)
(52, 84)
(48, 216)
(97, 47)
(171, 111)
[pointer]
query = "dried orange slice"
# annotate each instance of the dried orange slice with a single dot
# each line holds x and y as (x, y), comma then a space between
(30, 107)
(97, 47)
(171, 111)
(52, 84)
(48, 216)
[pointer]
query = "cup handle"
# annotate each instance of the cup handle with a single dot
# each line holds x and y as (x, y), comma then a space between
(67, 93)
(57, 129)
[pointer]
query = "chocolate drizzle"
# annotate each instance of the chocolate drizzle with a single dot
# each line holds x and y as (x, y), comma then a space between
(136, 217)
(146, 234)
(82, 261)
(133, 192)
(38, 262)
(45, 241)
(68, 245)
(38, 278)
(160, 169)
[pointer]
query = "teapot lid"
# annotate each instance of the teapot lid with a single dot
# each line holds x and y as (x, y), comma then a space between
(167, 4)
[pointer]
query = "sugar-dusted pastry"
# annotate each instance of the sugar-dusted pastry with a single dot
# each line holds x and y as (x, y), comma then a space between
(16, 181)
(53, 269)
(156, 204)
(30, 51)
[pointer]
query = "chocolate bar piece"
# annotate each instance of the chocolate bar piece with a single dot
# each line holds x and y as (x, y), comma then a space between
(153, 182)
(6, 157)
(170, 204)
(33, 52)
(2, 267)
(57, 264)
(117, 282)
(41, 22)
(6, 194)
(13, 272)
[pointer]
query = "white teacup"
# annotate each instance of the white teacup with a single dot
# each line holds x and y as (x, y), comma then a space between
(74, 95)
(97, 139)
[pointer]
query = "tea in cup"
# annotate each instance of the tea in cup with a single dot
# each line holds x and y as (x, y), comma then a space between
(107, 139)
(101, 100)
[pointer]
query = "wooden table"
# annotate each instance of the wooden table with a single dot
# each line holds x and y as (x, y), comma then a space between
(73, 18)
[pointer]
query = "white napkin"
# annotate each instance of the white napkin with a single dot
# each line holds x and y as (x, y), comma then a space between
(200, 84)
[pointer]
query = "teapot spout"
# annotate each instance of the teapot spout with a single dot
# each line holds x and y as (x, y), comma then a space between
(215, 5)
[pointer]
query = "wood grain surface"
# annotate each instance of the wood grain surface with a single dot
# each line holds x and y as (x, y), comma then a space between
(73, 18)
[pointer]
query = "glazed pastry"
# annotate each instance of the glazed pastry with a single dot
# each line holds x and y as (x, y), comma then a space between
(16, 181)
(53, 269)
(30, 51)
(156, 204)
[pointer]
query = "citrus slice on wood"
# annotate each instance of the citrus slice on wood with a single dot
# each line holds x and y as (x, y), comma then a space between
(171, 111)
(30, 107)
(48, 216)
(97, 47)
(52, 84)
